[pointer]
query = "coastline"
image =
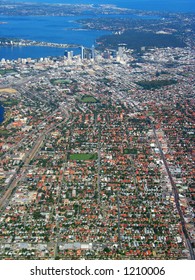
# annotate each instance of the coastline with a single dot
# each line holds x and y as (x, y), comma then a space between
(29, 43)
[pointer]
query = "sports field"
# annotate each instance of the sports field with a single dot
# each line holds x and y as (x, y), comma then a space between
(83, 157)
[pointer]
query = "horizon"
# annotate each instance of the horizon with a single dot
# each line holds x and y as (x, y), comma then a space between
(158, 5)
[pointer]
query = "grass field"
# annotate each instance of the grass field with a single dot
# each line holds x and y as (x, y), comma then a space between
(88, 99)
(60, 81)
(4, 132)
(83, 157)
(7, 71)
(130, 151)
(8, 90)
(10, 102)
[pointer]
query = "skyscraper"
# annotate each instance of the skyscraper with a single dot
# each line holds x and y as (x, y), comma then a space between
(82, 52)
(93, 52)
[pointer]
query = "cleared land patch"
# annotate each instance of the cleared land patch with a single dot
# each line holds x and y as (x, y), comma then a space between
(8, 90)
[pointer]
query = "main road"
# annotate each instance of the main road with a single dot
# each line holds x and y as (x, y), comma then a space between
(176, 196)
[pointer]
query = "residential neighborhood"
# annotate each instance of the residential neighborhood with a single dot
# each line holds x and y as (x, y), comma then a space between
(97, 156)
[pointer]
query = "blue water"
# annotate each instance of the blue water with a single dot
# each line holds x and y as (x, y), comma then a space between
(65, 29)
(32, 52)
(162, 5)
(1, 114)
(47, 29)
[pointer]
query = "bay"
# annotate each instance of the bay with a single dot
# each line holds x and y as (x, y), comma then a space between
(64, 30)
(13, 53)
(48, 29)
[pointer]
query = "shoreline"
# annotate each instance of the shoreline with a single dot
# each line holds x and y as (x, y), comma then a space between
(29, 43)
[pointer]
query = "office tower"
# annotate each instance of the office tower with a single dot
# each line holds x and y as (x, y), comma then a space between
(106, 54)
(69, 54)
(66, 53)
(82, 52)
(120, 51)
(93, 52)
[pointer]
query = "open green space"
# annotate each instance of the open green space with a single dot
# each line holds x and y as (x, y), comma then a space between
(83, 157)
(156, 84)
(136, 39)
(88, 99)
(7, 71)
(130, 151)
(4, 132)
(10, 102)
(60, 81)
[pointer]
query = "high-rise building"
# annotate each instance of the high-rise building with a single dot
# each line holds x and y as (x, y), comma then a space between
(66, 53)
(82, 52)
(93, 52)
(120, 51)
(71, 54)
(106, 54)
